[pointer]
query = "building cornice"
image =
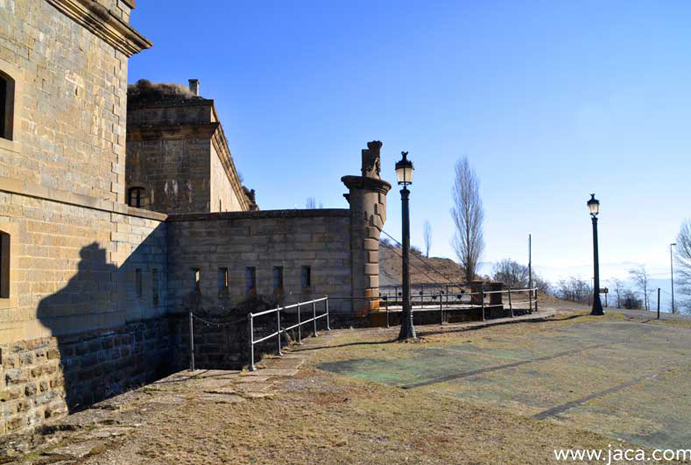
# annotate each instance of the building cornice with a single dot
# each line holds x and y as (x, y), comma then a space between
(133, 105)
(221, 145)
(372, 184)
(261, 214)
(37, 191)
(99, 20)
(171, 131)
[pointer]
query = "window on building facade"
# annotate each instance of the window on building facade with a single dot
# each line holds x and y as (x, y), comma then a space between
(306, 278)
(223, 280)
(6, 105)
(251, 280)
(135, 197)
(4, 265)
(278, 279)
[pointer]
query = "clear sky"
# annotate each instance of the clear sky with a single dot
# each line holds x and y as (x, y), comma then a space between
(549, 100)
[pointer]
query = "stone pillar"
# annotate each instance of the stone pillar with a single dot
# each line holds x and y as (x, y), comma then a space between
(496, 300)
(475, 288)
(367, 198)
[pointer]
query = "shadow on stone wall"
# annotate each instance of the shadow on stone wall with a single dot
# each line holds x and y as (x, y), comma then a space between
(79, 365)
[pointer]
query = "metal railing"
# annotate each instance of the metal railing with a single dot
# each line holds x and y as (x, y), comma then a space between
(280, 330)
(456, 300)
(205, 322)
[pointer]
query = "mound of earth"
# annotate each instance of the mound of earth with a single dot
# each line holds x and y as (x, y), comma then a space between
(440, 270)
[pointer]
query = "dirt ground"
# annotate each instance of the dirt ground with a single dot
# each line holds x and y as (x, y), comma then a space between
(480, 395)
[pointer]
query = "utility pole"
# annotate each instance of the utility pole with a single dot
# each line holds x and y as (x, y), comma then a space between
(671, 267)
(530, 270)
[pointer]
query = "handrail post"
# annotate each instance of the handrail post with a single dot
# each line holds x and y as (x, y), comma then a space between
(278, 320)
(191, 342)
(510, 304)
(328, 322)
(482, 296)
(530, 300)
(386, 304)
(441, 307)
(536, 310)
(250, 317)
(299, 325)
(314, 317)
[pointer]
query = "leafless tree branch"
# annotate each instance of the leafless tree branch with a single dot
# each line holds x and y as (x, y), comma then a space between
(427, 234)
(468, 216)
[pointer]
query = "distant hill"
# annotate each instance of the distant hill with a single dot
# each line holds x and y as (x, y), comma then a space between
(390, 268)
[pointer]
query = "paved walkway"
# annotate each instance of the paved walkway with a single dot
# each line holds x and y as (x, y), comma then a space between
(83, 435)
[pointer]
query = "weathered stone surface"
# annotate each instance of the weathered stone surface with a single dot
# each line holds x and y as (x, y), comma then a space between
(289, 251)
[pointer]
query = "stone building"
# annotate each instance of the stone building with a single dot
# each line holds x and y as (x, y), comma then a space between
(178, 160)
(112, 218)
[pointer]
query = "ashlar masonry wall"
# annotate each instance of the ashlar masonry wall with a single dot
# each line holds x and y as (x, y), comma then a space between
(255, 244)
(178, 154)
(70, 101)
(85, 316)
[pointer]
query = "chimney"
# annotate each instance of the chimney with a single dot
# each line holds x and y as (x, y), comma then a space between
(194, 87)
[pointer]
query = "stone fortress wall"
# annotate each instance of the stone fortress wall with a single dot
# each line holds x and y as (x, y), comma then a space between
(289, 255)
(177, 152)
(80, 262)
(91, 288)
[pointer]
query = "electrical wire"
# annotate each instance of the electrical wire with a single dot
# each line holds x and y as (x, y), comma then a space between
(428, 265)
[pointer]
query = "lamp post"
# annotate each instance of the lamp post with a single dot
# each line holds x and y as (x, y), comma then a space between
(404, 175)
(594, 207)
(671, 267)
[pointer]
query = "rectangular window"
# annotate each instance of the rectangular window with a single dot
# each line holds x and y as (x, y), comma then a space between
(136, 197)
(223, 280)
(220, 205)
(138, 282)
(251, 280)
(306, 278)
(197, 276)
(4, 265)
(155, 283)
(278, 279)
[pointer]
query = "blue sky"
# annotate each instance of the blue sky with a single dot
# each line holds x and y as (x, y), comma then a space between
(549, 100)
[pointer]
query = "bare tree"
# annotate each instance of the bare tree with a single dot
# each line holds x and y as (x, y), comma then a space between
(511, 273)
(619, 288)
(427, 234)
(640, 276)
(575, 289)
(630, 300)
(311, 203)
(543, 286)
(468, 215)
(683, 265)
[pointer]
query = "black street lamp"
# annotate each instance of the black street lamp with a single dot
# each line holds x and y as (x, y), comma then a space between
(404, 174)
(594, 207)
